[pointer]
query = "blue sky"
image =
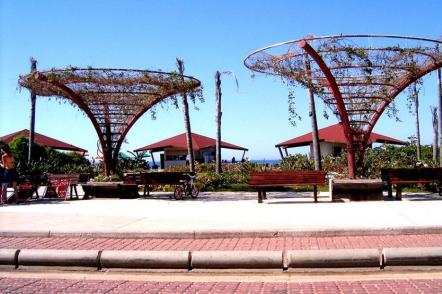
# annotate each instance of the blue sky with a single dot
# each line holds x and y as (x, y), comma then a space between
(209, 36)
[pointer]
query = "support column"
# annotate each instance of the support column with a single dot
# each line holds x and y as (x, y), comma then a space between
(280, 152)
(32, 116)
(153, 159)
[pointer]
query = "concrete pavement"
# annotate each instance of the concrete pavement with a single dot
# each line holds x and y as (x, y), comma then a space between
(222, 214)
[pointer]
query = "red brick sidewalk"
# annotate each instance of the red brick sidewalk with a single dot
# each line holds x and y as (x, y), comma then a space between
(279, 243)
(26, 285)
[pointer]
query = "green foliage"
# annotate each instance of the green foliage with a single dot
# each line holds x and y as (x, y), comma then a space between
(296, 162)
(47, 160)
(237, 173)
(395, 157)
(103, 178)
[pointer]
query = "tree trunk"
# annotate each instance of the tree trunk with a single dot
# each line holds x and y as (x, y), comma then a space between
(218, 95)
(439, 88)
(180, 64)
(418, 135)
(435, 133)
(314, 122)
(32, 116)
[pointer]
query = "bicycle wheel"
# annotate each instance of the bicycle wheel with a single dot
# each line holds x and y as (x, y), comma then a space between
(194, 192)
(179, 192)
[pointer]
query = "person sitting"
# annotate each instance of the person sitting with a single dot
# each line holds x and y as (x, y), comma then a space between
(233, 159)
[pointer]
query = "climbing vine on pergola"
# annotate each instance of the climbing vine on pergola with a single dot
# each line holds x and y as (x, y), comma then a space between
(357, 76)
(113, 99)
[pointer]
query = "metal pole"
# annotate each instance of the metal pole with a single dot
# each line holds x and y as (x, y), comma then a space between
(32, 116)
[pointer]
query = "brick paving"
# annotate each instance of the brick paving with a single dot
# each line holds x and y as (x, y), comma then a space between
(27, 285)
(278, 243)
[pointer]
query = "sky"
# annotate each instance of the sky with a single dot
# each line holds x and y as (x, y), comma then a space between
(208, 36)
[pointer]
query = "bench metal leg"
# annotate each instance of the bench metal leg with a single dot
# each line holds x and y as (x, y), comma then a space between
(315, 193)
(76, 192)
(260, 195)
(264, 194)
(145, 190)
(390, 190)
(148, 190)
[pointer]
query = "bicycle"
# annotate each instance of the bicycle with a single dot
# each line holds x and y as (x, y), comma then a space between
(187, 187)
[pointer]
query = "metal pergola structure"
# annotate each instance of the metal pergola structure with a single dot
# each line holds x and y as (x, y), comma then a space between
(113, 99)
(357, 76)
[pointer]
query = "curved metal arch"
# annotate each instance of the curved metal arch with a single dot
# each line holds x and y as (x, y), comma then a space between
(398, 90)
(76, 99)
(340, 36)
(340, 103)
(331, 81)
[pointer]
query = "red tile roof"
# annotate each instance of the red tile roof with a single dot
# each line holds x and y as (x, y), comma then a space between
(335, 134)
(180, 141)
(42, 140)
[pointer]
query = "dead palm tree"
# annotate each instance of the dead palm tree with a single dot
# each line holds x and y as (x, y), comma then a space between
(315, 133)
(32, 115)
(435, 121)
(439, 90)
(218, 95)
(180, 65)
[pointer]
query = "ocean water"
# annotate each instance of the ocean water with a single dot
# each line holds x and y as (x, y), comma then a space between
(268, 161)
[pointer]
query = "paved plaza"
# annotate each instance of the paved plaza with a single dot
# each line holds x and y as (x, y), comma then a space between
(223, 221)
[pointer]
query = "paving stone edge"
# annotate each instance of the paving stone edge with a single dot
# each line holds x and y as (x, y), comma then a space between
(213, 234)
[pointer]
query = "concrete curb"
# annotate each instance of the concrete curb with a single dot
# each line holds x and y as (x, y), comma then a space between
(203, 234)
(145, 259)
(412, 256)
(56, 257)
(133, 259)
(333, 258)
(236, 260)
(8, 257)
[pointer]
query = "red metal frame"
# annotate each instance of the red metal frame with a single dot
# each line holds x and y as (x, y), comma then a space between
(357, 128)
(110, 153)
(340, 103)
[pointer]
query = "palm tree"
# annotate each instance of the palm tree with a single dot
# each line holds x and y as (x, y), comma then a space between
(439, 87)
(433, 111)
(32, 115)
(218, 122)
(416, 112)
(218, 95)
(180, 65)
(315, 143)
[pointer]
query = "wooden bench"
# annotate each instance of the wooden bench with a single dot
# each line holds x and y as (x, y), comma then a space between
(405, 176)
(264, 181)
(58, 185)
(148, 180)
